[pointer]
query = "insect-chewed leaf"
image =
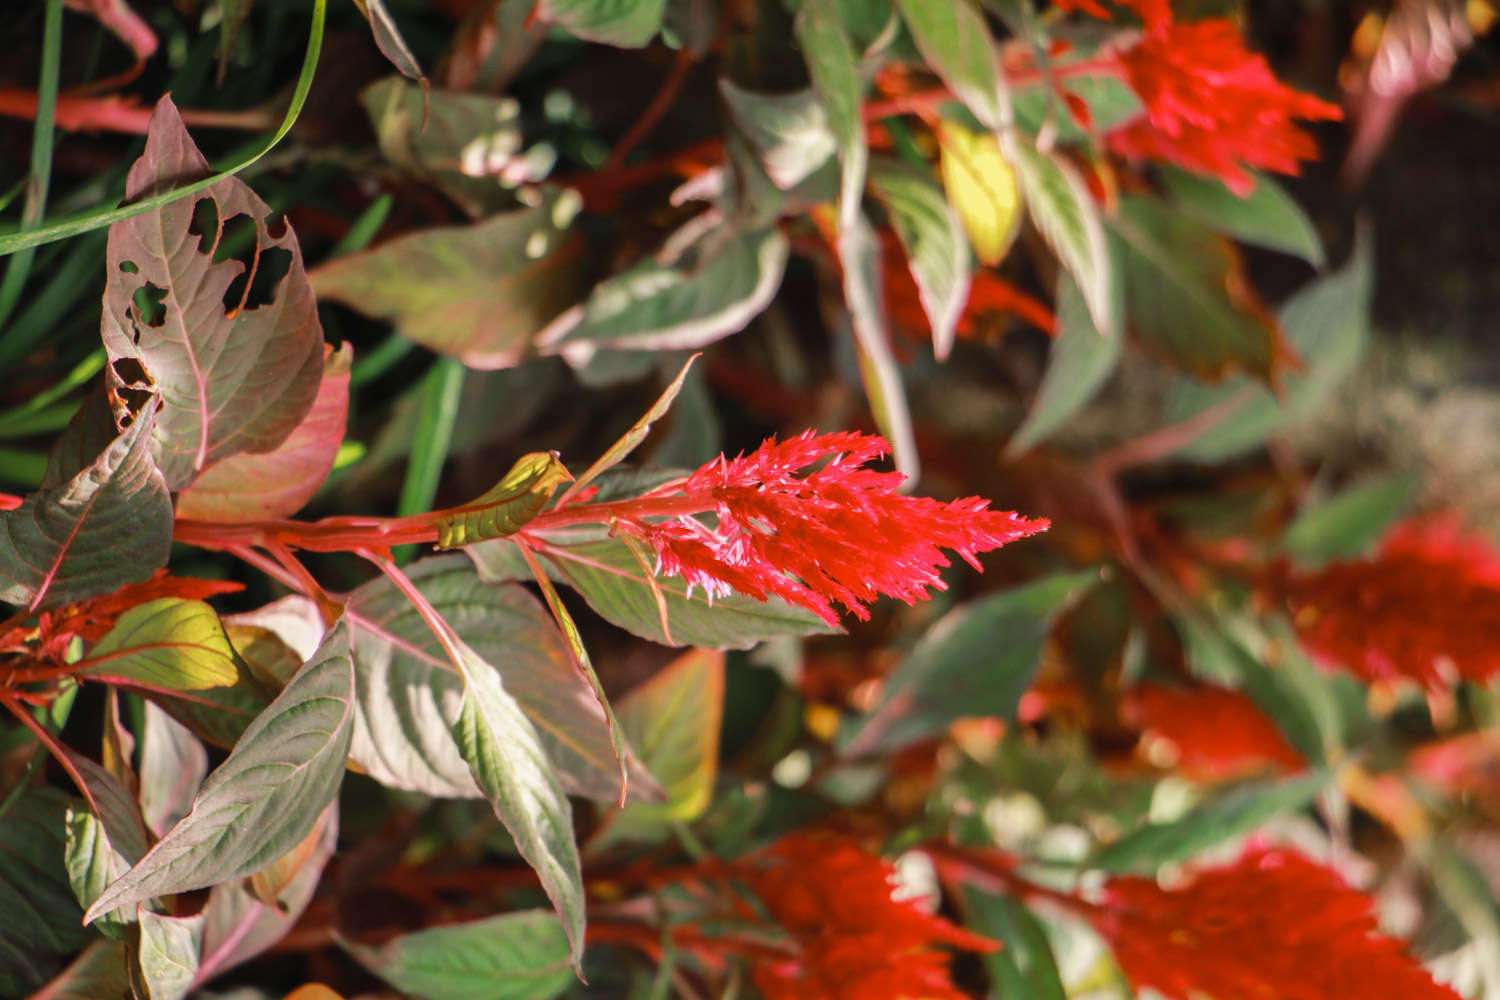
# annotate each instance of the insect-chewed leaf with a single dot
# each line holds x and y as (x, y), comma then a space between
(167, 645)
(234, 351)
(109, 524)
(266, 796)
(506, 507)
(982, 189)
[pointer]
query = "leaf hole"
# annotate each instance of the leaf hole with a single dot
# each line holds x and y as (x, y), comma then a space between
(131, 373)
(276, 225)
(149, 306)
(205, 225)
(264, 280)
(128, 267)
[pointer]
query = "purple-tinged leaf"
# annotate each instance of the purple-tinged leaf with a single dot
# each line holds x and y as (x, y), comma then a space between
(236, 363)
(627, 25)
(173, 763)
(388, 39)
(266, 797)
(108, 525)
(99, 971)
(250, 487)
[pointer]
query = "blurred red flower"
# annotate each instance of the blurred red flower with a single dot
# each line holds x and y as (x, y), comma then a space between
(1213, 106)
(1273, 924)
(1216, 734)
(804, 520)
(853, 940)
(1427, 608)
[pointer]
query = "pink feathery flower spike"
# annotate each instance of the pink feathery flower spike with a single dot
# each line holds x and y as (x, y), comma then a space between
(805, 521)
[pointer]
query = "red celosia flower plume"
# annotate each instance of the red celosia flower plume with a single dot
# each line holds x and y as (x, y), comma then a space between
(1427, 608)
(1215, 734)
(1273, 924)
(1213, 106)
(804, 520)
(853, 941)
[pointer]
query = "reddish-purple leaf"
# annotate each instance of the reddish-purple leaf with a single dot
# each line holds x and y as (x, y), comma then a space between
(234, 351)
(251, 487)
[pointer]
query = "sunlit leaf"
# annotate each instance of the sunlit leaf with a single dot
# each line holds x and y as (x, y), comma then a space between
(982, 188)
(506, 507)
(248, 487)
(510, 766)
(932, 235)
(236, 363)
(515, 956)
(266, 796)
(478, 293)
(109, 524)
(169, 645)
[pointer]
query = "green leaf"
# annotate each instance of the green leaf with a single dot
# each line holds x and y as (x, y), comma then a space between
(249, 487)
(789, 132)
(108, 525)
(1328, 324)
(1348, 525)
(832, 64)
(1080, 361)
(102, 846)
(673, 721)
(266, 796)
(1024, 966)
(1059, 203)
(234, 374)
(238, 925)
(1237, 812)
(625, 24)
(408, 694)
(515, 956)
(658, 307)
(611, 580)
(39, 918)
(956, 43)
(166, 955)
(933, 238)
(1177, 277)
(510, 766)
(1266, 217)
(506, 507)
(100, 971)
(977, 660)
(1110, 100)
(169, 644)
(478, 293)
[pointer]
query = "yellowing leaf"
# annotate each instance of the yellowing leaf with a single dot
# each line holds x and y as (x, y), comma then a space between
(507, 506)
(982, 188)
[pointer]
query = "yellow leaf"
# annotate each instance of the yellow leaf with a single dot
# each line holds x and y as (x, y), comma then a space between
(508, 505)
(981, 188)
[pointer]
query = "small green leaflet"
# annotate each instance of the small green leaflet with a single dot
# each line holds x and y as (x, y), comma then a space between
(515, 956)
(506, 507)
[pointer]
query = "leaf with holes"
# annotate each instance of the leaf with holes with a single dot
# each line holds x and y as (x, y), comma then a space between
(249, 487)
(478, 293)
(509, 764)
(108, 525)
(506, 507)
(408, 694)
(266, 796)
(515, 956)
(234, 352)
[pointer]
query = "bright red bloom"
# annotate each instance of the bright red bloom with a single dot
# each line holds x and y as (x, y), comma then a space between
(1217, 734)
(1273, 924)
(854, 942)
(1427, 608)
(1213, 106)
(804, 520)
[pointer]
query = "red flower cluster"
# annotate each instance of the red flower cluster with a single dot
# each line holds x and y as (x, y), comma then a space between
(854, 942)
(1427, 608)
(1217, 734)
(1273, 924)
(804, 520)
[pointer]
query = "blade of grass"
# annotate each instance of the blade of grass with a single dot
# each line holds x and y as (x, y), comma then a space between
(17, 241)
(379, 361)
(363, 231)
(441, 389)
(24, 415)
(78, 275)
(40, 175)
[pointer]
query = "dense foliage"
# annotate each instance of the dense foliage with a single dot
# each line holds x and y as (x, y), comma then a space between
(734, 320)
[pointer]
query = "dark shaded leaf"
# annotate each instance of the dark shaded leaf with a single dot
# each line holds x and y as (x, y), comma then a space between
(977, 660)
(235, 376)
(39, 918)
(173, 763)
(100, 972)
(388, 39)
(1024, 966)
(515, 956)
(478, 293)
(266, 796)
(1266, 217)
(109, 525)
